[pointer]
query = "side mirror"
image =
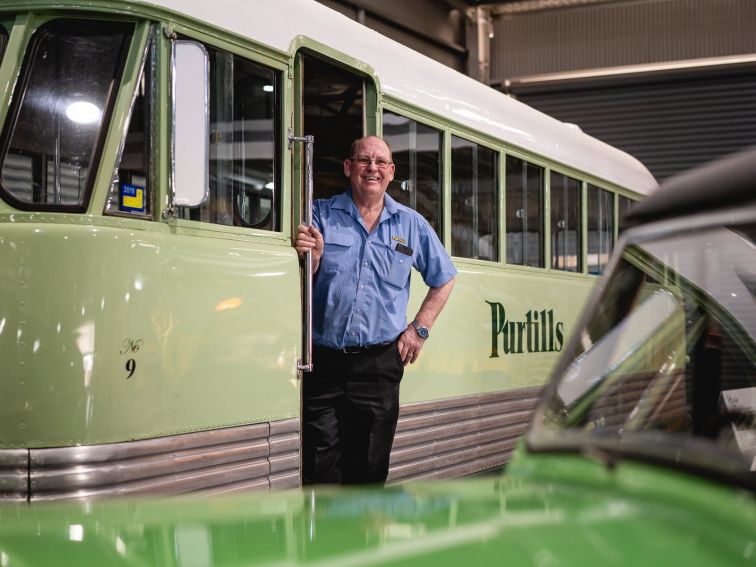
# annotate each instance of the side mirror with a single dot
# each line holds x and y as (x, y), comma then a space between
(190, 128)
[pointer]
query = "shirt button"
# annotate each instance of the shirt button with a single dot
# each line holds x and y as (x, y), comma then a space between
(364, 263)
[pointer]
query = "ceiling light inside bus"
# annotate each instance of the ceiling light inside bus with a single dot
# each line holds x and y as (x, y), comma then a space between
(83, 112)
(268, 88)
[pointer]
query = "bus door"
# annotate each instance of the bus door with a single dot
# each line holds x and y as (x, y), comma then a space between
(331, 108)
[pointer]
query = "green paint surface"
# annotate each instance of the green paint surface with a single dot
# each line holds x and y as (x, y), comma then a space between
(546, 511)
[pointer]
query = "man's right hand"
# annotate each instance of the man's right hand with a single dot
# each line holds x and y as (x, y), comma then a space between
(309, 238)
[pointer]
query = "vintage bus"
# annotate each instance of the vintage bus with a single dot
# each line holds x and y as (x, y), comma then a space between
(155, 158)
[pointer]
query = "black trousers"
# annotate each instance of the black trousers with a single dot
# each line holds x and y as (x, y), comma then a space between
(350, 410)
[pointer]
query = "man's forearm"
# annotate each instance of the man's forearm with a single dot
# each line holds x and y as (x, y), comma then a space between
(433, 303)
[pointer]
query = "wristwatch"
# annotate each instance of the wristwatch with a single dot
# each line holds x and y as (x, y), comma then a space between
(421, 331)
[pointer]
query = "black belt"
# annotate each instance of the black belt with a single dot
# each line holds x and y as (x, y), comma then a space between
(357, 349)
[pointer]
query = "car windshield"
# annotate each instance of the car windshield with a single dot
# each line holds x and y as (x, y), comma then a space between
(664, 367)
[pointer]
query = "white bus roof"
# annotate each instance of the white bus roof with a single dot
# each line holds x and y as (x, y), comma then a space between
(416, 79)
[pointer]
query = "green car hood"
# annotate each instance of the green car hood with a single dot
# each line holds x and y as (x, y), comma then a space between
(546, 511)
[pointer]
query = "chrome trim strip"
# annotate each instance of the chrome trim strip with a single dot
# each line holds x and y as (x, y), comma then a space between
(262, 455)
(460, 436)
(14, 458)
(105, 453)
(14, 475)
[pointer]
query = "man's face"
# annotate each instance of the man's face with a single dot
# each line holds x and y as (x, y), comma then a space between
(370, 179)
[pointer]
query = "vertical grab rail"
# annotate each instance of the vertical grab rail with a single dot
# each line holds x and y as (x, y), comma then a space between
(305, 363)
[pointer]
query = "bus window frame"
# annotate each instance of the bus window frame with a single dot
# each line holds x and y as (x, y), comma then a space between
(257, 55)
(547, 168)
(499, 153)
(36, 29)
(581, 255)
(148, 63)
(600, 186)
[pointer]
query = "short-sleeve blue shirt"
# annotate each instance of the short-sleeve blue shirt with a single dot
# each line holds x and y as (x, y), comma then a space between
(361, 288)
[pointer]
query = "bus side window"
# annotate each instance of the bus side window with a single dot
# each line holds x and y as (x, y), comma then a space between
(600, 228)
(416, 150)
(60, 111)
(475, 198)
(566, 226)
(525, 216)
(130, 192)
(245, 183)
(623, 206)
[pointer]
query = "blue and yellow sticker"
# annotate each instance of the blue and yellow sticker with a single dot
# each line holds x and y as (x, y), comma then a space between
(132, 199)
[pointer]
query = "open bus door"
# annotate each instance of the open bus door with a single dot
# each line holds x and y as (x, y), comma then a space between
(330, 115)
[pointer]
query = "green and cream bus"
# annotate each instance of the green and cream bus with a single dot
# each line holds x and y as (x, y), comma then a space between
(155, 158)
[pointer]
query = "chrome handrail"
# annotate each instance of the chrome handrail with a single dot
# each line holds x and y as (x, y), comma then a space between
(305, 364)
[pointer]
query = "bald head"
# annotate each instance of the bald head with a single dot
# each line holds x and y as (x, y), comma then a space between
(353, 149)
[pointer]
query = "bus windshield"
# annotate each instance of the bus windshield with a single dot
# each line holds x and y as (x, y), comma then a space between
(59, 113)
(665, 365)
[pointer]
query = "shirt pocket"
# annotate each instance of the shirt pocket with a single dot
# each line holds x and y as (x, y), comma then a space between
(397, 268)
(336, 252)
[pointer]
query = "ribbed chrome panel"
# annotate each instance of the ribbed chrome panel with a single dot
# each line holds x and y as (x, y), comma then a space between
(264, 455)
(161, 445)
(14, 474)
(459, 436)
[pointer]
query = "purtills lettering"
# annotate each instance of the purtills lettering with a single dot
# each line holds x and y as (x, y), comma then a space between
(535, 332)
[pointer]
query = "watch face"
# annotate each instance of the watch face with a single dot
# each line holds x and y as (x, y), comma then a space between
(422, 331)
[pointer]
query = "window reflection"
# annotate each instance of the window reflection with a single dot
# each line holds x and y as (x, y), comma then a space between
(623, 206)
(565, 223)
(67, 86)
(600, 228)
(416, 150)
(475, 202)
(244, 134)
(525, 218)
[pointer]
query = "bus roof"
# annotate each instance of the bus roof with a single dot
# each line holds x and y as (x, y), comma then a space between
(416, 79)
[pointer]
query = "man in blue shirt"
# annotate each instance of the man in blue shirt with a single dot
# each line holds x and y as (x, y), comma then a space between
(363, 246)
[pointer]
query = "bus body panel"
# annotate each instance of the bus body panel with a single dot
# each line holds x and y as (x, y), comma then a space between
(111, 335)
(459, 358)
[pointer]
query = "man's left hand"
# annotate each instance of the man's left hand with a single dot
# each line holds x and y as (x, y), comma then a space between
(409, 345)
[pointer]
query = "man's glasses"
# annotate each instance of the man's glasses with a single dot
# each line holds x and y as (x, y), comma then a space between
(380, 163)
